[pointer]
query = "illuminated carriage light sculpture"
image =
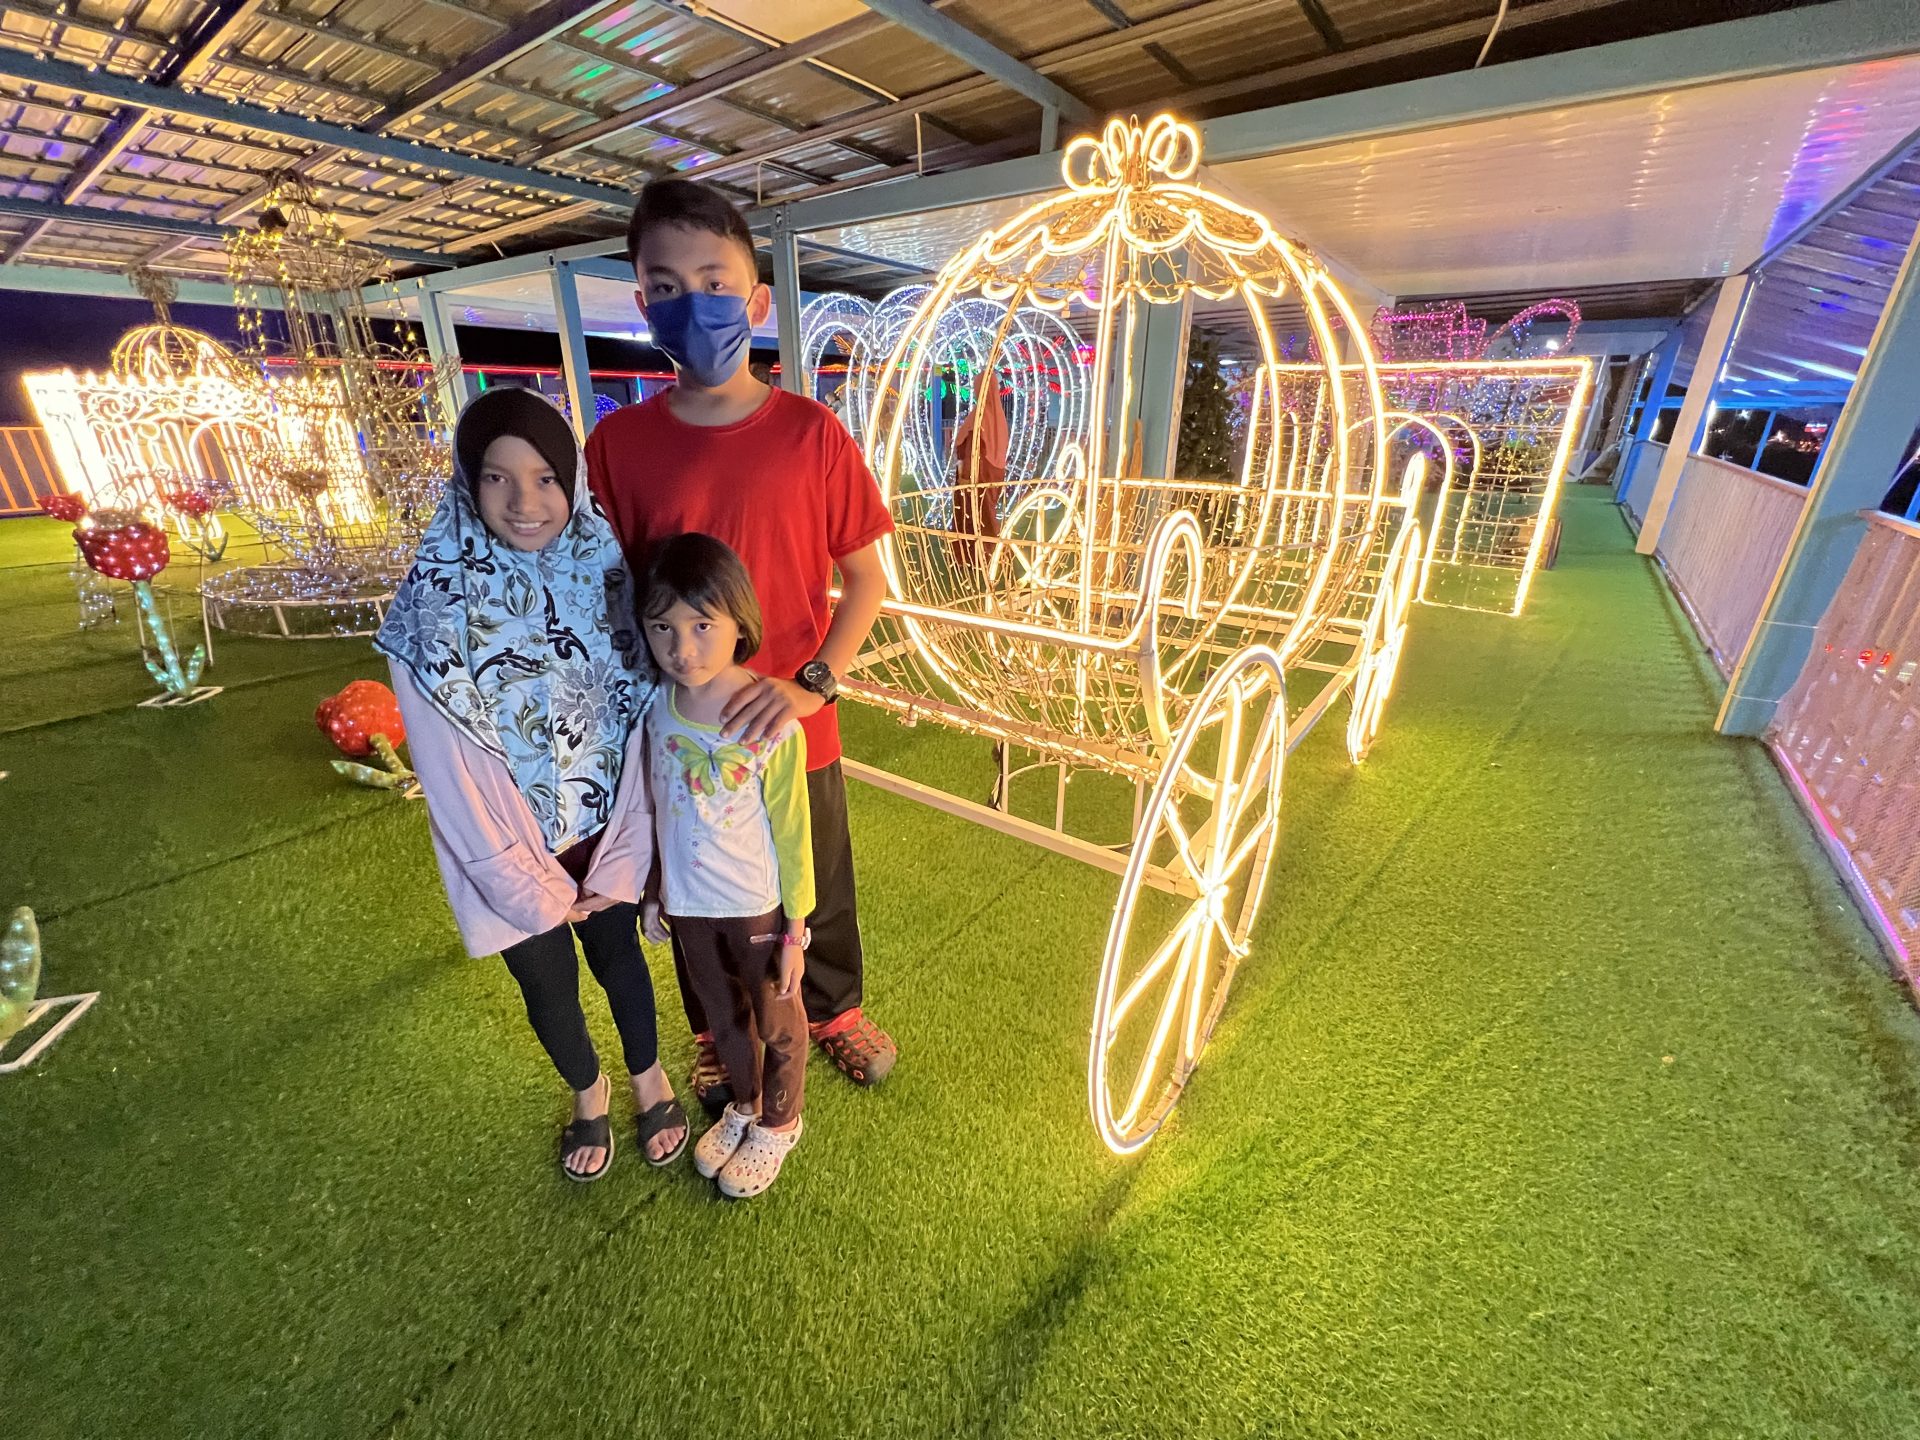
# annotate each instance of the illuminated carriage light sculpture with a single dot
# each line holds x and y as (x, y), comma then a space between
(1512, 406)
(168, 415)
(1141, 625)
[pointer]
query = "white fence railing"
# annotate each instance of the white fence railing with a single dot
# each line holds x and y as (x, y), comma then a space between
(1849, 729)
(1722, 545)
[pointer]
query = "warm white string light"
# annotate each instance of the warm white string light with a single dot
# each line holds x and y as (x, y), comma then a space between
(1119, 621)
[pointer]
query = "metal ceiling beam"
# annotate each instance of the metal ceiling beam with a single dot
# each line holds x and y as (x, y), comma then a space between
(951, 36)
(534, 29)
(1840, 33)
(556, 17)
(162, 225)
(1844, 32)
(1194, 17)
(719, 83)
(216, 27)
(103, 85)
(114, 284)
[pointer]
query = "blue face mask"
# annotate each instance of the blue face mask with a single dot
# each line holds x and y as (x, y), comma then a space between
(706, 336)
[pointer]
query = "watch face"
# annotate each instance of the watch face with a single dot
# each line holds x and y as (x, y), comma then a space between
(815, 675)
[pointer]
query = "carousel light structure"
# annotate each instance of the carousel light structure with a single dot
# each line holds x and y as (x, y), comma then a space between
(1152, 627)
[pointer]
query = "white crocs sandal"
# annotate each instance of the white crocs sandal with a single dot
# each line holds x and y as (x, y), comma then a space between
(756, 1164)
(718, 1145)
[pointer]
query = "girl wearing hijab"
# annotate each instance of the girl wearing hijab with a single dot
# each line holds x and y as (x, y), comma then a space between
(522, 681)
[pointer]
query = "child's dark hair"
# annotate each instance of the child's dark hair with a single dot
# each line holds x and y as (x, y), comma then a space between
(693, 205)
(705, 574)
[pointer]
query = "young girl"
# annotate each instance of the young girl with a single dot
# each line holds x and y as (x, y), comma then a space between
(522, 686)
(736, 854)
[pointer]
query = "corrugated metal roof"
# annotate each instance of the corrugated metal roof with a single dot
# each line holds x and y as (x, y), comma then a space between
(1814, 306)
(353, 61)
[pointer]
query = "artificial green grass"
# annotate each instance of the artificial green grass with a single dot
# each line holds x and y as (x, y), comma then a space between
(1563, 1095)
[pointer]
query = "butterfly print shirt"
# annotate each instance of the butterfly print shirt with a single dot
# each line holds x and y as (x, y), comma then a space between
(732, 818)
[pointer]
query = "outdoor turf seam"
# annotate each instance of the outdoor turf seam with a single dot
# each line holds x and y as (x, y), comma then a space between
(603, 1237)
(49, 916)
(234, 686)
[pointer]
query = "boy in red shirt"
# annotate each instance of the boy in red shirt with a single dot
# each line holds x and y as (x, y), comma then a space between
(777, 477)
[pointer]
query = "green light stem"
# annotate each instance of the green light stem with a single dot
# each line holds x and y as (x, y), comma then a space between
(169, 675)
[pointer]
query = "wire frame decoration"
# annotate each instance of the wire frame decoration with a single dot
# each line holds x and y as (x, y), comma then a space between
(345, 478)
(1500, 433)
(1038, 370)
(1154, 627)
(1497, 417)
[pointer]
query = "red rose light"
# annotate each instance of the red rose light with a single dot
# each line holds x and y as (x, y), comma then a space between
(187, 501)
(121, 545)
(353, 718)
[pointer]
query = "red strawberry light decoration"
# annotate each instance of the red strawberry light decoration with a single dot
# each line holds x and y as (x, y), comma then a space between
(362, 720)
(125, 545)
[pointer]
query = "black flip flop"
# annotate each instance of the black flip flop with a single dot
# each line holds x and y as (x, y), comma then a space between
(586, 1135)
(664, 1116)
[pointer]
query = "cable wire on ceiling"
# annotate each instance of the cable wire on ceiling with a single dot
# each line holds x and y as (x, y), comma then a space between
(1498, 20)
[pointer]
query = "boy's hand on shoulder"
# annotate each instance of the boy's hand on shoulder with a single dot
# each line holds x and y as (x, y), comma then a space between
(763, 708)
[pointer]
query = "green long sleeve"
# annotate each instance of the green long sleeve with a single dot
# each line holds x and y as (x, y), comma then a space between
(783, 784)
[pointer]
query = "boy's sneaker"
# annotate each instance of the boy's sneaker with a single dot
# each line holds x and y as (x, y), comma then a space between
(861, 1049)
(719, 1144)
(756, 1164)
(708, 1078)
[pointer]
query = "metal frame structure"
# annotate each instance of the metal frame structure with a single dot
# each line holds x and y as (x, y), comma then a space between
(459, 131)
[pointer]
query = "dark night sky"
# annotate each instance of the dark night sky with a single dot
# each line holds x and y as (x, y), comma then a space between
(53, 332)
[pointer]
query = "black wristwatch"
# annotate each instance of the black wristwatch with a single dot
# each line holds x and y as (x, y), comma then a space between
(816, 676)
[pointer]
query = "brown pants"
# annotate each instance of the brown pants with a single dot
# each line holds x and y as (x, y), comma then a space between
(735, 968)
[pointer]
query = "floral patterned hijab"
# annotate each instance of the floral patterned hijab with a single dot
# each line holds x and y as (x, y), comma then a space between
(535, 656)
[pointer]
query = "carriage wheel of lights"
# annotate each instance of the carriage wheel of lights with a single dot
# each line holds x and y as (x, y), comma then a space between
(347, 474)
(1152, 627)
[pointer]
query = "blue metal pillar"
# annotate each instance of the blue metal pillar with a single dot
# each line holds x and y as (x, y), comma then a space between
(1715, 346)
(443, 349)
(1664, 360)
(1160, 380)
(573, 348)
(1864, 452)
(1760, 449)
(786, 303)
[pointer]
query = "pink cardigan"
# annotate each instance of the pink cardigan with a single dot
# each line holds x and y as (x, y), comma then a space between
(502, 882)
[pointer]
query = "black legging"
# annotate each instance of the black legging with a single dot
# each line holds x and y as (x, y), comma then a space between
(549, 977)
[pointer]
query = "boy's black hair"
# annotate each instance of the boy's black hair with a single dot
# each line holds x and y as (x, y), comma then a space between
(694, 205)
(705, 574)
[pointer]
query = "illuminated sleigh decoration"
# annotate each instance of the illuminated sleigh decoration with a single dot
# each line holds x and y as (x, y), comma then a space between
(1148, 627)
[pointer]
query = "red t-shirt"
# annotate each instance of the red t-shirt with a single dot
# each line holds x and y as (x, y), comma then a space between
(786, 488)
